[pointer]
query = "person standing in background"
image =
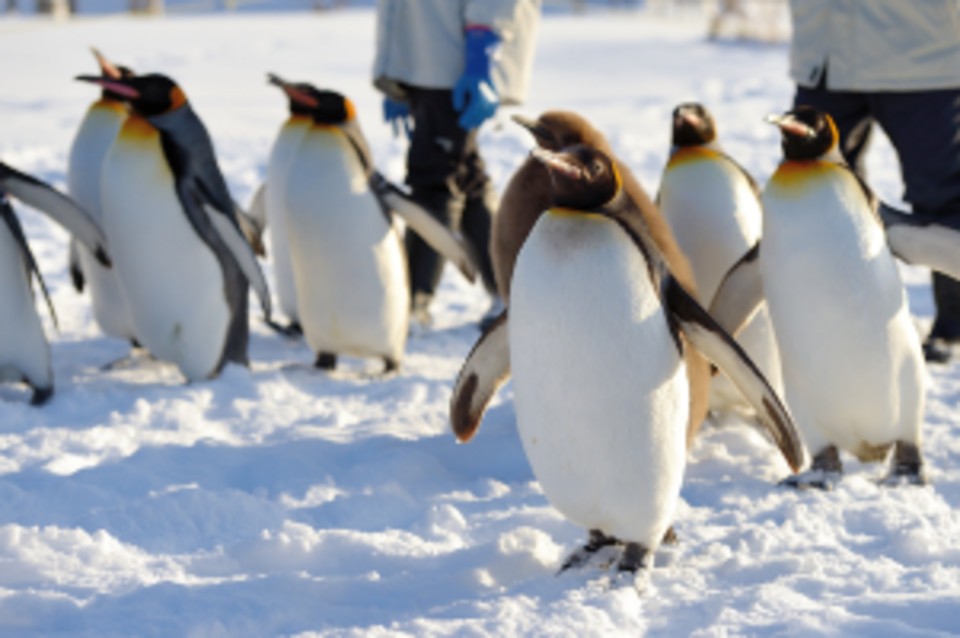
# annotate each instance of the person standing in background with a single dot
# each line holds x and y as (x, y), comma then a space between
(445, 66)
(895, 63)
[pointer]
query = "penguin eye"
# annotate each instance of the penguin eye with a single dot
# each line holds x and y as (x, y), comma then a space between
(596, 167)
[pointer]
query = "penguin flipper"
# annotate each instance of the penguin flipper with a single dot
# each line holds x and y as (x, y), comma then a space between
(58, 206)
(252, 223)
(486, 368)
(922, 240)
(440, 238)
(30, 263)
(243, 254)
(76, 269)
(711, 340)
(740, 293)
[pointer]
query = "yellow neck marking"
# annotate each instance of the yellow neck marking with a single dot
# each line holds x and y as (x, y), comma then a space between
(691, 154)
(569, 213)
(137, 127)
(793, 174)
(299, 118)
(106, 104)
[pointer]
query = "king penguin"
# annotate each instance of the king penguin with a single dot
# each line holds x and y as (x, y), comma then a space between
(99, 128)
(852, 363)
(600, 390)
(713, 207)
(183, 263)
(346, 250)
(24, 351)
(275, 206)
(527, 196)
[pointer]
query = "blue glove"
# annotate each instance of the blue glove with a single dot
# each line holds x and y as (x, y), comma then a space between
(397, 114)
(473, 95)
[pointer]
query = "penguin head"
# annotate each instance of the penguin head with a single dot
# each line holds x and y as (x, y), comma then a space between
(148, 95)
(581, 177)
(110, 71)
(556, 130)
(324, 106)
(806, 133)
(693, 125)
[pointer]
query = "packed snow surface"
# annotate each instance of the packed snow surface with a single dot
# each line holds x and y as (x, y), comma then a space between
(283, 501)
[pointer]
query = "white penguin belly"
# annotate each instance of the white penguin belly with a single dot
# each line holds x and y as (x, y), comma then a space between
(601, 394)
(171, 279)
(24, 351)
(281, 156)
(348, 261)
(716, 218)
(716, 222)
(851, 357)
(96, 134)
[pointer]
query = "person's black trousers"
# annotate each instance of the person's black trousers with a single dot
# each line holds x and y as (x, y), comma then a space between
(447, 176)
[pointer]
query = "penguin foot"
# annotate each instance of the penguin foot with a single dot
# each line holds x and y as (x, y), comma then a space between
(390, 365)
(670, 537)
(292, 330)
(41, 396)
(325, 361)
(937, 350)
(597, 541)
(901, 475)
(813, 479)
(906, 467)
(635, 557)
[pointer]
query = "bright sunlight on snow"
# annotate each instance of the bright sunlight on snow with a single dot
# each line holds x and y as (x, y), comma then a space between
(283, 501)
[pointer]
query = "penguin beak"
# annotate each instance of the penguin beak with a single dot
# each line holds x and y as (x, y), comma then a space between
(540, 132)
(114, 86)
(557, 163)
(686, 116)
(293, 92)
(107, 68)
(791, 126)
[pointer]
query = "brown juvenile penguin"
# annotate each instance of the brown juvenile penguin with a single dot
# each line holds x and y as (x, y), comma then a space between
(527, 196)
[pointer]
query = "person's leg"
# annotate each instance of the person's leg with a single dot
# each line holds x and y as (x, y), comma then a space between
(924, 128)
(480, 207)
(478, 214)
(438, 147)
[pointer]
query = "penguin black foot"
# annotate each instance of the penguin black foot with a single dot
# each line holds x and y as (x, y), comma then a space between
(635, 557)
(292, 330)
(325, 361)
(813, 479)
(390, 365)
(906, 467)
(670, 537)
(597, 541)
(937, 350)
(825, 472)
(41, 396)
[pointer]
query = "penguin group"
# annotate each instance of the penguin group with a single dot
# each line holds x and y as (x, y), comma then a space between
(168, 256)
(629, 318)
(609, 292)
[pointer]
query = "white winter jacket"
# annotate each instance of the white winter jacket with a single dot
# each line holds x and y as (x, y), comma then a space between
(876, 45)
(421, 43)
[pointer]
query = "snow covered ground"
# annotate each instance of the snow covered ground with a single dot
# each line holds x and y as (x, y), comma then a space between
(283, 501)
